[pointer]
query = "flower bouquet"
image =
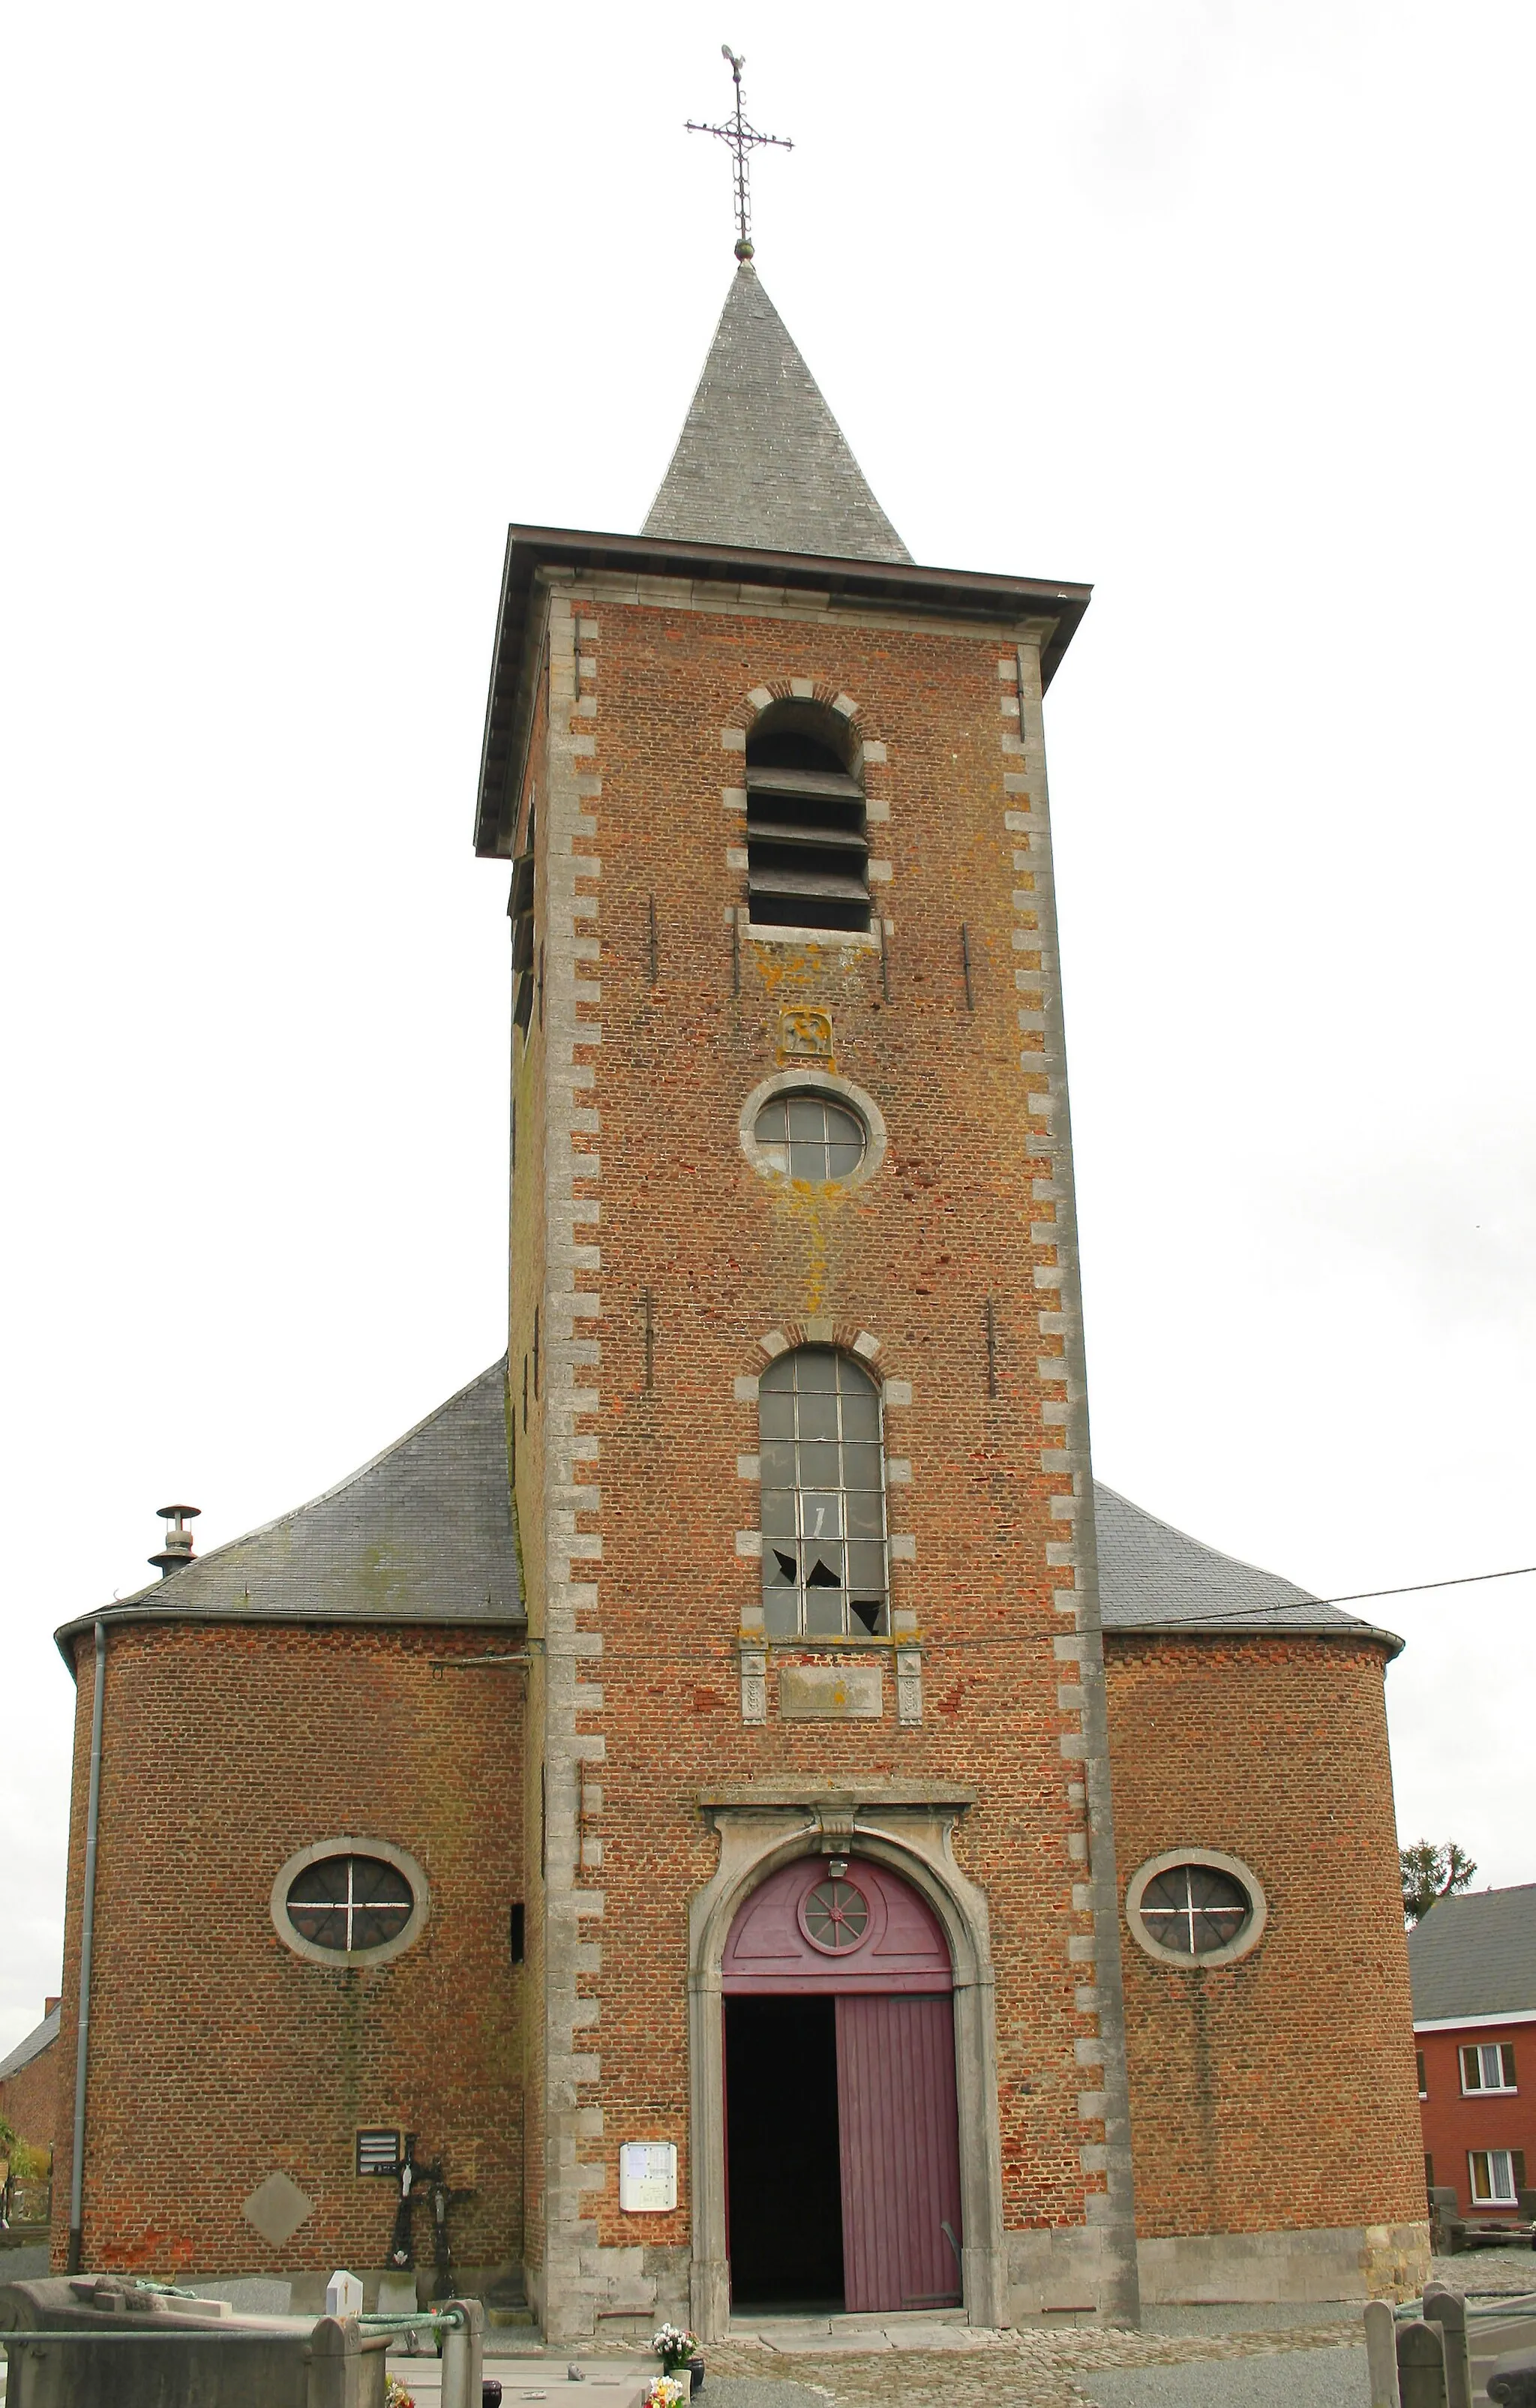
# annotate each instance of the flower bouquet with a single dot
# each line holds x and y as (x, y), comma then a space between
(668, 2391)
(673, 2347)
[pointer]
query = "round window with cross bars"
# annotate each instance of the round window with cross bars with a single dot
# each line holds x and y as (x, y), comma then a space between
(834, 1915)
(1196, 1908)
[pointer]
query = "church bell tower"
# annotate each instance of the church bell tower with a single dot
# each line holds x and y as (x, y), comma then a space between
(822, 1939)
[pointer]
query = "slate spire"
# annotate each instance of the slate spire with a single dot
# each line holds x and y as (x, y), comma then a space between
(760, 459)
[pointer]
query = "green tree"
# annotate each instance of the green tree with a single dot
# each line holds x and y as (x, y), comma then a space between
(1432, 1870)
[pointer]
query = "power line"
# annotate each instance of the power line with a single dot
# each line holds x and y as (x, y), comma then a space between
(724, 1651)
(1355, 1597)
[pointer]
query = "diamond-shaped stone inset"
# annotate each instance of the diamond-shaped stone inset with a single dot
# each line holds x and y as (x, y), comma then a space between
(276, 2208)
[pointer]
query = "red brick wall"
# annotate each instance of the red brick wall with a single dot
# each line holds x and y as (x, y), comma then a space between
(217, 2054)
(1276, 2093)
(912, 1257)
(31, 2100)
(1453, 2125)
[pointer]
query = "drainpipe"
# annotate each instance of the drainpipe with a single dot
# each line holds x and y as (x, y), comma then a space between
(88, 1926)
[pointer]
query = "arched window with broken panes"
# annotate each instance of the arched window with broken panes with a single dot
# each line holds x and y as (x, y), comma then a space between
(822, 1462)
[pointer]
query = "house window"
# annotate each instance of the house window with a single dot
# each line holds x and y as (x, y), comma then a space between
(823, 1497)
(1423, 2085)
(808, 853)
(1489, 2066)
(1497, 2176)
(810, 1137)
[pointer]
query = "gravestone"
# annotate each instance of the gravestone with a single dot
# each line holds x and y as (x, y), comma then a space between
(1421, 2365)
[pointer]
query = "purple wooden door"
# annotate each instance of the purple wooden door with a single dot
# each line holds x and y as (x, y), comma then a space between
(899, 2138)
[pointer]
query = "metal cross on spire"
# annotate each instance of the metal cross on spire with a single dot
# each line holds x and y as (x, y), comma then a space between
(742, 139)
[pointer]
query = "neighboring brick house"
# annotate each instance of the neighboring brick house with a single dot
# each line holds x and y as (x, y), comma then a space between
(816, 1843)
(1472, 1964)
(31, 2083)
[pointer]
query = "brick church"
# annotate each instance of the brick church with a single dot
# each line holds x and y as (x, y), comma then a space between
(727, 1812)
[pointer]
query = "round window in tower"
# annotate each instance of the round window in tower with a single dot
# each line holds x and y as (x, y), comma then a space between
(810, 1137)
(1195, 1906)
(834, 1915)
(812, 1129)
(349, 1901)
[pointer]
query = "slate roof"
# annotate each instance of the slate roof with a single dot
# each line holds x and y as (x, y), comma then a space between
(42, 2036)
(423, 1533)
(1154, 1577)
(1475, 1955)
(761, 459)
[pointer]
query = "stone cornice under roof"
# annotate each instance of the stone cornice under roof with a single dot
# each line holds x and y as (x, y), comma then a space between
(423, 1534)
(664, 571)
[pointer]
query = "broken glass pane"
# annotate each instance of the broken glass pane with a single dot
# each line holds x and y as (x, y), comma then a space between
(866, 1564)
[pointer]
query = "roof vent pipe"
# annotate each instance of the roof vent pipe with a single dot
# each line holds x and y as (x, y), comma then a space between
(176, 1546)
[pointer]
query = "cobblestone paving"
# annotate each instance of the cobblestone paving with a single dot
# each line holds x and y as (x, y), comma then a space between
(1022, 2370)
(1488, 2269)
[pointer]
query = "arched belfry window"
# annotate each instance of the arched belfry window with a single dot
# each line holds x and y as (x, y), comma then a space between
(808, 853)
(823, 1497)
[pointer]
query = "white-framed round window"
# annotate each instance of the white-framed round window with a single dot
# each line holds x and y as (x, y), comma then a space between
(1195, 1906)
(811, 1129)
(349, 1901)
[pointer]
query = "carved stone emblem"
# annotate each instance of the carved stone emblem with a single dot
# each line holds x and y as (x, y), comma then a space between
(806, 1034)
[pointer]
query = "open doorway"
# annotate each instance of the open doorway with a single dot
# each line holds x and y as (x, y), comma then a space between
(785, 2183)
(842, 2118)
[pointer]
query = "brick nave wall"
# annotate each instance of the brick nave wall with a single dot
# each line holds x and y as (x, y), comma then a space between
(1277, 2093)
(219, 2056)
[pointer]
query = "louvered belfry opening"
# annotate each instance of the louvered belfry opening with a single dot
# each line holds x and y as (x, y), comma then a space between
(807, 853)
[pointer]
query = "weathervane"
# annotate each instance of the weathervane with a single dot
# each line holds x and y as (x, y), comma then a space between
(742, 139)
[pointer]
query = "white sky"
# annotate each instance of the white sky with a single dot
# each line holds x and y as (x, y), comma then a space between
(1226, 308)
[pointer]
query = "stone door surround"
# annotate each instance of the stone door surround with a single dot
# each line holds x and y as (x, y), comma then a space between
(906, 1824)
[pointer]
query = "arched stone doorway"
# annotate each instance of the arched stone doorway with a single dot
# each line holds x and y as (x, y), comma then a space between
(843, 2185)
(906, 1827)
